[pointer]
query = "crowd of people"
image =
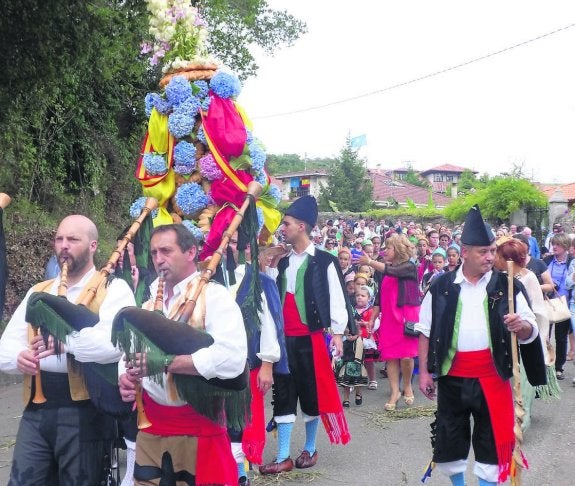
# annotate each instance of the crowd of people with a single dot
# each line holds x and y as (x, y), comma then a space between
(336, 299)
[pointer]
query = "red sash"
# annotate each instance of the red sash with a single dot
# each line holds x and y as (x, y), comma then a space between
(328, 400)
(254, 434)
(499, 397)
(215, 463)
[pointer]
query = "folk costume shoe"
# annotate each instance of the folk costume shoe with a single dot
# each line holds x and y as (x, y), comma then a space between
(277, 467)
(305, 460)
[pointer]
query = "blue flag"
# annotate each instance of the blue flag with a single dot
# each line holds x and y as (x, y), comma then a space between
(359, 141)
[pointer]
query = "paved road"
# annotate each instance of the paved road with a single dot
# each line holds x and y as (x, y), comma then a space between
(384, 452)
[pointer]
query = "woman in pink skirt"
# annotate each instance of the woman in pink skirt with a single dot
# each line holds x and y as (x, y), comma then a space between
(397, 301)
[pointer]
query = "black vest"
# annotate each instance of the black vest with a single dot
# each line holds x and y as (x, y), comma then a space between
(316, 289)
(445, 294)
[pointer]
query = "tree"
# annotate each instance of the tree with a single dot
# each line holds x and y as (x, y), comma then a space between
(282, 163)
(413, 177)
(237, 25)
(348, 186)
(72, 88)
(500, 197)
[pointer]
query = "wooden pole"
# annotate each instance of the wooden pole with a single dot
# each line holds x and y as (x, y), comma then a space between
(517, 461)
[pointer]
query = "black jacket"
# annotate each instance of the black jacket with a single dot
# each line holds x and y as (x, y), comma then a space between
(445, 294)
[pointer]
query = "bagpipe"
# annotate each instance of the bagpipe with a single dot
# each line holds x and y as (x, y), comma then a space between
(138, 331)
(56, 316)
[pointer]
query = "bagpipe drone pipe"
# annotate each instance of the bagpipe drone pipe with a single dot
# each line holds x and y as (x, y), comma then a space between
(137, 330)
(55, 315)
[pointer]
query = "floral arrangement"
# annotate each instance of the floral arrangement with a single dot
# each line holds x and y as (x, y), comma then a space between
(199, 153)
(178, 34)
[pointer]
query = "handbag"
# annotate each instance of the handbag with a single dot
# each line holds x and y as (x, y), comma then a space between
(557, 308)
(409, 328)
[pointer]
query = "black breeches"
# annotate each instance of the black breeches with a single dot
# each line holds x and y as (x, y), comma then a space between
(459, 399)
(300, 384)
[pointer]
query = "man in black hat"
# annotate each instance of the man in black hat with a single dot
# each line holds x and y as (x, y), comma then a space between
(313, 300)
(465, 344)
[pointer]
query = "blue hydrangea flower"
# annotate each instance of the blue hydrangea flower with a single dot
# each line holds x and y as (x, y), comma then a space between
(249, 137)
(178, 90)
(202, 135)
(192, 228)
(137, 206)
(275, 192)
(154, 100)
(155, 164)
(180, 125)
(209, 168)
(225, 85)
(257, 155)
(191, 198)
(203, 87)
(189, 107)
(185, 154)
(260, 214)
(206, 103)
(261, 178)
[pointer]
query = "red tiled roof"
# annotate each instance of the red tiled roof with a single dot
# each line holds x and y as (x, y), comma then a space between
(384, 187)
(568, 190)
(446, 168)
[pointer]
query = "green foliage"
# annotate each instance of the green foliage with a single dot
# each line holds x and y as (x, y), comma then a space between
(281, 163)
(348, 186)
(500, 197)
(430, 201)
(417, 214)
(413, 177)
(71, 82)
(237, 25)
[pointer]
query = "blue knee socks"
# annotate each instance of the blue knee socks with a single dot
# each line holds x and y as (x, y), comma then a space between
(241, 469)
(482, 482)
(457, 479)
(310, 435)
(284, 439)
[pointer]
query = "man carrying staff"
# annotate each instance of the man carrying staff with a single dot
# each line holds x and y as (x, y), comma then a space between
(62, 440)
(198, 448)
(465, 342)
(311, 288)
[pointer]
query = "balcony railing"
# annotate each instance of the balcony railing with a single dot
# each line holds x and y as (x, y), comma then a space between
(302, 191)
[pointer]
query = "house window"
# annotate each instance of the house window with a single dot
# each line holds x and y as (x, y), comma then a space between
(437, 178)
(449, 178)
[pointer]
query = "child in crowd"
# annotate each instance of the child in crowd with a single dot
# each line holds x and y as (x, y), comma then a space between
(350, 371)
(438, 258)
(349, 280)
(363, 310)
(360, 280)
(357, 250)
(344, 259)
(453, 260)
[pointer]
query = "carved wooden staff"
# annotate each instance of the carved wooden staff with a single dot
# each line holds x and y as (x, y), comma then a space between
(518, 462)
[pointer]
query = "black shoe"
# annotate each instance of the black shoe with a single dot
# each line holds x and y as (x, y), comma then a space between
(345, 404)
(358, 399)
(560, 375)
(244, 481)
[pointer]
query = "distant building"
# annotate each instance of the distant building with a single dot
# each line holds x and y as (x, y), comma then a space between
(389, 191)
(444, 177)
(301, 183)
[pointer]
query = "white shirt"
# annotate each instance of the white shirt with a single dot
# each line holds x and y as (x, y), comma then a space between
(337, 308)
(473, 326)
(91, 344)
(269, 345)
(226, 357)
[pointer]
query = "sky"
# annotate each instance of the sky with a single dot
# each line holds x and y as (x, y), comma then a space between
(512, 108)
